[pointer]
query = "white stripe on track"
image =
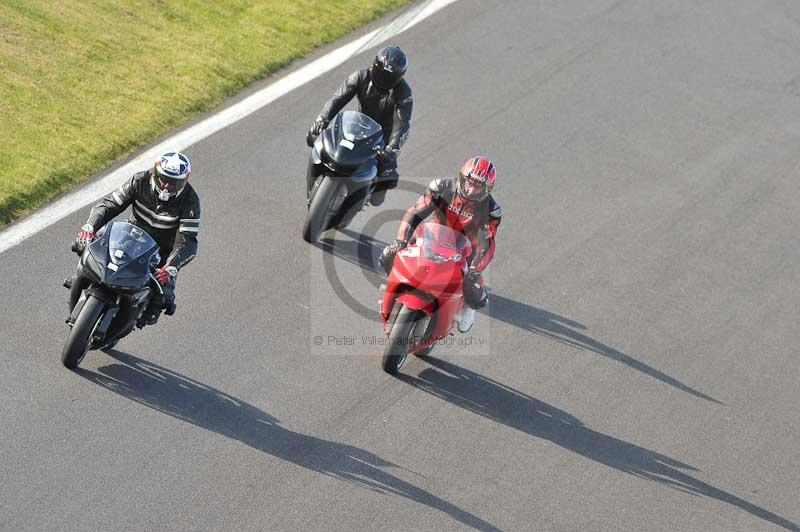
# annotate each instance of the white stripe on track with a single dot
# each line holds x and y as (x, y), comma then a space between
(48, 215)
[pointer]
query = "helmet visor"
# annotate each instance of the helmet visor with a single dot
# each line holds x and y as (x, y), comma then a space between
(383, 78)
(474, 188)
(173, 185)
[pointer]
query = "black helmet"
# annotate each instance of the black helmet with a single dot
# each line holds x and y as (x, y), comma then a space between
(389, 67)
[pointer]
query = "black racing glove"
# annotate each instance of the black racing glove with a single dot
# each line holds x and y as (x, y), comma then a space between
(473, 276)
(475, 295)
(318, 125)
(388, 157)
(387, 167)
(387, 256)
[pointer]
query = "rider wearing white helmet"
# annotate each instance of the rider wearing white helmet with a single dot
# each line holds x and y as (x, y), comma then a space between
(164, 204)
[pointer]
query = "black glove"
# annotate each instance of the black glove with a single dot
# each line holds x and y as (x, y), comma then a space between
(318, 125)
(473, 276)
(387, 167)
(387, 257)
(475, 295)
(388, 157)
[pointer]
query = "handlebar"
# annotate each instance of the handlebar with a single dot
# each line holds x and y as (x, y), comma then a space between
(77, 248)
(156, 283)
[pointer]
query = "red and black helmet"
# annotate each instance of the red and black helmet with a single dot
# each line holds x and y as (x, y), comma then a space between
(476, 178)
(389, 67)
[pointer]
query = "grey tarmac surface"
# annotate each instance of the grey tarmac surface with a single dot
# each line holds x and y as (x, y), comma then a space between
(638, 367)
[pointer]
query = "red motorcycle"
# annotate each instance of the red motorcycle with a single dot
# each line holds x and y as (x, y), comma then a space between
(423, 295)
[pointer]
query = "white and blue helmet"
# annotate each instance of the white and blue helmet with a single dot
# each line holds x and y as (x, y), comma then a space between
(170, 174)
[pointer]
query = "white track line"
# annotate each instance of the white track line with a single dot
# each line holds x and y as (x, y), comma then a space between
(61, 208)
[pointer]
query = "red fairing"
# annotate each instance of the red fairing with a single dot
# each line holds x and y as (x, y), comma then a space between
(432, 286)
(423, 280)
(417, 301)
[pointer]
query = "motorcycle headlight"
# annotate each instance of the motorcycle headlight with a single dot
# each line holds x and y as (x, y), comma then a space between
(438, 257)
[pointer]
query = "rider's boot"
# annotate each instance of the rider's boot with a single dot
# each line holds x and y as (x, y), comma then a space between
(467, 319)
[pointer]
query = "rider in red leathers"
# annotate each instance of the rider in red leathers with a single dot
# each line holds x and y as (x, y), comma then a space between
(466, 205)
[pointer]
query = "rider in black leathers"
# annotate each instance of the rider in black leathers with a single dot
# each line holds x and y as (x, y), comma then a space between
(384, 96)
(165, 205)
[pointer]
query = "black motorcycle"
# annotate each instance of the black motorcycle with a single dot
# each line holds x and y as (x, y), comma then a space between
(343, 167)
(115, 282)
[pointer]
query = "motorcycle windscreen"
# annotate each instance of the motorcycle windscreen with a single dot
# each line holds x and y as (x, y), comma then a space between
(441, 243)
(358, 126)
(352, 140)
(126, 243)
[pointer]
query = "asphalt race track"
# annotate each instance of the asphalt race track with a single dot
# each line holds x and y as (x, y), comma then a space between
(637, 368)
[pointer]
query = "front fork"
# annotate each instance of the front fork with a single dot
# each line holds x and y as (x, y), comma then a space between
(312, 173)
(76, 284)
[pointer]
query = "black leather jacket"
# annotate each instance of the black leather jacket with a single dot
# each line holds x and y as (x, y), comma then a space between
(392, 110)
(173, 224)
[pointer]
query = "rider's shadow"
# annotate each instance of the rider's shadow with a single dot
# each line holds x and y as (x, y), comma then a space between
(515, 409)
(360, 249)
(566, 331)
(208, 408)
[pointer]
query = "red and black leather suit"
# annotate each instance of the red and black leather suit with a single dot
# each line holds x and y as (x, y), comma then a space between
(477, 220)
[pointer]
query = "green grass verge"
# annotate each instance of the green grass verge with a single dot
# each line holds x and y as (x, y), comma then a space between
(85, 82)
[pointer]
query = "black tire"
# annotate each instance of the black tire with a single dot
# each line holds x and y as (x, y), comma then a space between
(319, 212)
(425, 351)
(77, 343)
(396, 350)
(350, 208)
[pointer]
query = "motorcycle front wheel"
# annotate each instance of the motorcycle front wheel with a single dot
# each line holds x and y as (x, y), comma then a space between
(321, 209)
(400, 339)
(77, 343)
